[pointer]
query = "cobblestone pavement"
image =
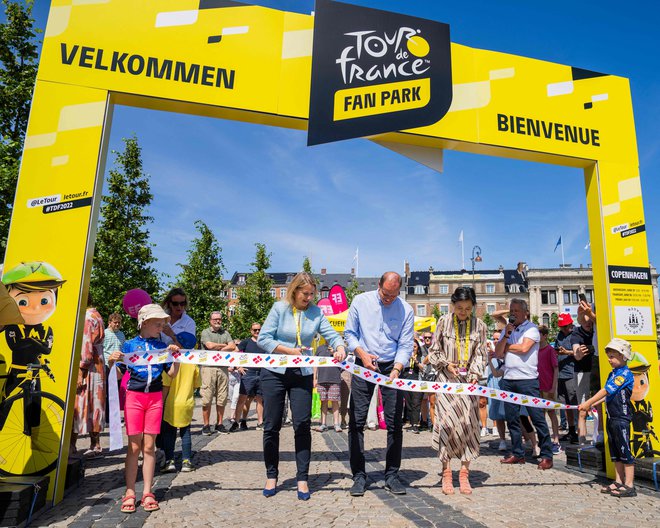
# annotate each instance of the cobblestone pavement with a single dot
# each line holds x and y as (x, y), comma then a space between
(226, 489)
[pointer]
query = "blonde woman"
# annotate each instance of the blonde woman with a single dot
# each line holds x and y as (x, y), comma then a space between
(290, 328)
(459, 355)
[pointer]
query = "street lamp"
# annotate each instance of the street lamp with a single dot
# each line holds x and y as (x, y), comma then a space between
(476, 257)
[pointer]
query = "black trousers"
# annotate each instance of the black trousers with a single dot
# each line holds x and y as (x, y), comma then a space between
(361, 393)
(275, 387)
(413, 406)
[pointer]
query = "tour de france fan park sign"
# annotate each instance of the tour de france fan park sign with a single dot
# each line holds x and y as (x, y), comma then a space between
(339, 73)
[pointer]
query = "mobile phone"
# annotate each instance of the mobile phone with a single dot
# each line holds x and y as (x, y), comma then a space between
(582, 297)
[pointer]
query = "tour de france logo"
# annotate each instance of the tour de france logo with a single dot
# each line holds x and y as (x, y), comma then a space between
(374, 71)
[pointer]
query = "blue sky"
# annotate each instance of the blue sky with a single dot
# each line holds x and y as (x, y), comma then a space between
(252, 183)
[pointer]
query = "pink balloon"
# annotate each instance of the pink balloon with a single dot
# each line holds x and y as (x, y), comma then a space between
(338, 299)
(134, 300)
(325, 306)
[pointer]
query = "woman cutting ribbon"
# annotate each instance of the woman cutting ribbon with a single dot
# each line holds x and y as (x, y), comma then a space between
(290, 328)
(459, 356)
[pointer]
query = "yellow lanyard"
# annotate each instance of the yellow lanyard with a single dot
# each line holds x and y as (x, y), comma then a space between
(298, 326)
(462, 359)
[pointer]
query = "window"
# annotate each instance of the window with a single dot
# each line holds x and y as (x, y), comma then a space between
(241, 279)
(548, 297)
(571, 297)
(421, 310)
(490, 308)
(233, 294)
(546, 320)
(272, 292)
(444, 308)
(282, 293)
(444, 289)
(325, 291)
(490, 288)
(419, 290)
(232, 310)
(590, 295)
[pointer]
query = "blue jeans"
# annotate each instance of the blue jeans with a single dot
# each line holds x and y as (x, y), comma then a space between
(529, 387)
(169, 440)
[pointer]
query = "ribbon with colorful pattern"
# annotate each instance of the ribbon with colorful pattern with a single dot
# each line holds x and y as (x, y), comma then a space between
(246, 360)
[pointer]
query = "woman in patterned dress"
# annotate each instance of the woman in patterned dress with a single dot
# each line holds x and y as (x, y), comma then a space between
(89, 413)
(457, 429)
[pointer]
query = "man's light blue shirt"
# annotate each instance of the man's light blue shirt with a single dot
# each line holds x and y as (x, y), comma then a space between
(385, 331)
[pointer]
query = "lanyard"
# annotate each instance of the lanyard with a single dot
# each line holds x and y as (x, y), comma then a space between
(462, 359)
(298, 326)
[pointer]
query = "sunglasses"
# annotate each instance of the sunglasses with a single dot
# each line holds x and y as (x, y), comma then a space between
(176, 303)
(256, 329)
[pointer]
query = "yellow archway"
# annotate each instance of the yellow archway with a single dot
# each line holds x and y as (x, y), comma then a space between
(254, 64)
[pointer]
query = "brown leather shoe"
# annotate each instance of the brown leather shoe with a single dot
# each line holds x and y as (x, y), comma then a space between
(546, 463)
(512, 460)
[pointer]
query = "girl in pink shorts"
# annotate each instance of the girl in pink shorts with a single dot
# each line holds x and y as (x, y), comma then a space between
(143, 410)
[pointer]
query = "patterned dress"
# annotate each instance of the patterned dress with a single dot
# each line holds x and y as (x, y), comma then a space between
(456, 432)
(89, 415)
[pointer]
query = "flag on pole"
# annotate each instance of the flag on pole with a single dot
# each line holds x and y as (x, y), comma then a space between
(460, 237)
(558, 244)
(588, 245)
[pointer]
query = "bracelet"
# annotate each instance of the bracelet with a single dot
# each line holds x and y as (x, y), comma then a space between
(397, 369)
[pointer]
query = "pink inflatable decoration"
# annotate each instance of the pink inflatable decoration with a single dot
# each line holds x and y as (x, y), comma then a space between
(134, 300)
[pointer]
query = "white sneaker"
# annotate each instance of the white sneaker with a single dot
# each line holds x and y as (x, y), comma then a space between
(484, 432)
(502, 446)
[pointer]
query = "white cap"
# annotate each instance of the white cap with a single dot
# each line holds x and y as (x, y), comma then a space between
(151, 311)
(622, 346)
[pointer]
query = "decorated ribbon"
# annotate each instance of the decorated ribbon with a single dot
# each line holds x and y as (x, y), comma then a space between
(243, 359)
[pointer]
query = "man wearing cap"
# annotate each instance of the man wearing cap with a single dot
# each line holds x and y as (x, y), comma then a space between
(215, 380)
(519, 347)
(566, 385)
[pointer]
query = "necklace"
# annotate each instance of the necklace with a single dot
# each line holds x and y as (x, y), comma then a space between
(462, 357)
(298, 325)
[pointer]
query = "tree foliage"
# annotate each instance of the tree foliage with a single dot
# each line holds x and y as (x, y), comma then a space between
(490, 322)
(255, 300)
(307, 265)
(123, 257)
(18, 71)
(436, 312)
(353, 290)
(202, 276)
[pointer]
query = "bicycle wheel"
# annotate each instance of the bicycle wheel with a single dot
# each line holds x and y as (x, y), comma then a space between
(36, 454)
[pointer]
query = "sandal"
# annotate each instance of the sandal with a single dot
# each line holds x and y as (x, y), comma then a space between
(447, 484)
(464, 482)
(128, 508)
(150, 506)
(606, 490)
(624, 491)
(321, 428)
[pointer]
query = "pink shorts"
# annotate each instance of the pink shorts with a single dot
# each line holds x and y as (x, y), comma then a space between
(143, 412)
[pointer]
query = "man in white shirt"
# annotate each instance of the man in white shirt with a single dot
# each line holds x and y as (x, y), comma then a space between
(519, 347)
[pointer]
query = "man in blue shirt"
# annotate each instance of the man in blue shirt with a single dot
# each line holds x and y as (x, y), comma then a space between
(379, 330)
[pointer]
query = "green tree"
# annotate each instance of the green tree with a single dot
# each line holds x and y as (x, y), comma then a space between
(123, 257)
(436, 312)
(201, 276)
(554, 327)
(535, 319)
(18, 71)
(254, 298)
(490, 322)
(307, 265)
(352, 290)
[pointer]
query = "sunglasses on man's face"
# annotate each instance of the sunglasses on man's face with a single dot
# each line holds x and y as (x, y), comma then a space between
(256, 329)
(177, 303)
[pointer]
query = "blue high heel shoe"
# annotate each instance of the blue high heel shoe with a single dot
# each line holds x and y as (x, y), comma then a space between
(303, 495)
(270, 492)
